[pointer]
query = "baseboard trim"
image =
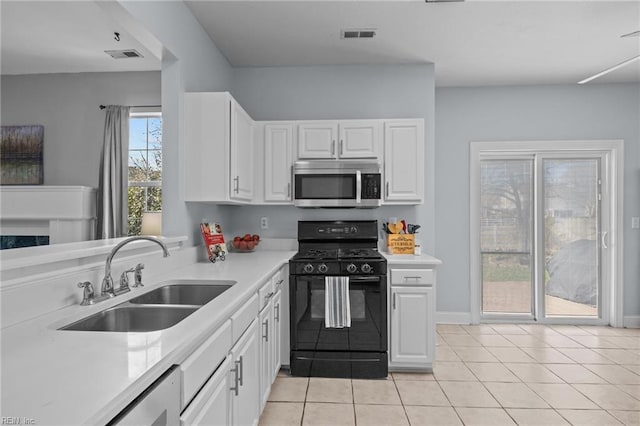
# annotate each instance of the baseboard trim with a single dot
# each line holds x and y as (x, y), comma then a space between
(632, 321)
(453, 318)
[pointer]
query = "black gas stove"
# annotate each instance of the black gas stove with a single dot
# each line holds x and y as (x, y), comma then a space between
(338, 249)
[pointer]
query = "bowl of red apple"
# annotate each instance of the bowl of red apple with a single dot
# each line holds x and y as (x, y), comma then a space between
(246, 243)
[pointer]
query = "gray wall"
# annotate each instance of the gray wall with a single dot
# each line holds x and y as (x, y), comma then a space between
(338, 92)
(593, 111)
(67, 106)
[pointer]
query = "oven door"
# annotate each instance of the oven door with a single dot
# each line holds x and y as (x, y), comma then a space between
(368, 302)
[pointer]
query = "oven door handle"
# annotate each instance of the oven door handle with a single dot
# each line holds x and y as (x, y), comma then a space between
(358, 187)
(364, 279)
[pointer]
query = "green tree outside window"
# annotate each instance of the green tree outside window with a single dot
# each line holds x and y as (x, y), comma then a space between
(145, 167)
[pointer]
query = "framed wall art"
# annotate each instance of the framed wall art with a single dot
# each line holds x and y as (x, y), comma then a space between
(21, 155)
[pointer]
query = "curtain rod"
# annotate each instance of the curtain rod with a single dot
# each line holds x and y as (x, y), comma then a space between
(137, 106)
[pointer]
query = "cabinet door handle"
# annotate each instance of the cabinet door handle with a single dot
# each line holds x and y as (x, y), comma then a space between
(289, 190)
(341, 147)
(394, 301)
(604, 240)
(241, 373)
(236, 387)
(277, 316)
(387, 190)
(265, 324)
(333, 148)
(236, 181)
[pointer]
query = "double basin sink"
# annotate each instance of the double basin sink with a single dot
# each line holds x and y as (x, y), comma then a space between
(155, 310)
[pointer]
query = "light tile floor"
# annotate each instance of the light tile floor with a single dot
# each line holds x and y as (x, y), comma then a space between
(491, 374)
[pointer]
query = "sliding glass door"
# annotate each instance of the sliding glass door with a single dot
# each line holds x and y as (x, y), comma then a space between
(541, 237)
(506, 236)
(570, 224)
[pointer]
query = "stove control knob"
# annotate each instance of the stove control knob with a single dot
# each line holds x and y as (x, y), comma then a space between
(366, 268)
(323, 268)
(308, 268)
(351, 268)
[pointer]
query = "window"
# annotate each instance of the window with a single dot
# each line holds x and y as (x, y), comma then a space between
(145, 167)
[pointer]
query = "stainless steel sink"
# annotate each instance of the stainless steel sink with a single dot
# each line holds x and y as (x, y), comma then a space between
(133, 318)
(183, 294)
(158, 309)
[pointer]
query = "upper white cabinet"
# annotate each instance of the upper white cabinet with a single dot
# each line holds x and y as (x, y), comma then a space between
(360, 139)
(317, 140)
(341, 139)
(278, 146)
(218, 149)
(241, 153)
(404, 161)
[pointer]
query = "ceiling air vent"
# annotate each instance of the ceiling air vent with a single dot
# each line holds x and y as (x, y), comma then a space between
(123, 54)
(361, 33)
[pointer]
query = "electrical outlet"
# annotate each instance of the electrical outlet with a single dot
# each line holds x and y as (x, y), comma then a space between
(264, 223)
(635, 222)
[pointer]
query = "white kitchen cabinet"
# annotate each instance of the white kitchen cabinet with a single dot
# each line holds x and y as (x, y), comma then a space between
(278, 147)
(197, 368)
(212, 405)
(412, 319)
(342, 139)
(317, 140)
(276, 338)
(281, 282)
(266, 351)
(359, 138)
(245, 378)
(241, 153)
(218, 149)
(404, 161)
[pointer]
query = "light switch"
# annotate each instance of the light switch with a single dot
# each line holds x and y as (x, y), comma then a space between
(635, 222)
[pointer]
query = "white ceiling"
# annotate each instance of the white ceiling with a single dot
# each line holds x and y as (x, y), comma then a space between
(64, 37)
(472, 43)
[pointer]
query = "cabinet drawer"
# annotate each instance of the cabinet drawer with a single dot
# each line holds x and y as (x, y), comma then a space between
(202, 362)
(243, 317)
(265, 293)
(211, 406)
(408, 277)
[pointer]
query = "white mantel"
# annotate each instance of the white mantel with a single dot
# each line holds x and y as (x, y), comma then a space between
(64, 213)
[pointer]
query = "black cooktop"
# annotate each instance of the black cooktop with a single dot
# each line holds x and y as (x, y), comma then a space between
(338, 253)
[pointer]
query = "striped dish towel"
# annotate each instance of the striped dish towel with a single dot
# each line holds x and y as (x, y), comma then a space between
(337, 309)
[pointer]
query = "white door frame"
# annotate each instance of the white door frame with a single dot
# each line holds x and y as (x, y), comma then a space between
(614, 169)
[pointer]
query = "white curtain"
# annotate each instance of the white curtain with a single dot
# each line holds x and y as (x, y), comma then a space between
(112, 188)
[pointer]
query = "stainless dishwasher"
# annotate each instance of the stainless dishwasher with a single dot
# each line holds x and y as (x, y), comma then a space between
(158, 405)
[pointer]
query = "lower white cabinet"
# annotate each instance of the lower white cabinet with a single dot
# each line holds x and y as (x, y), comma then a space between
(212, 405)
(266, 352)
(239, 387)
(245, 378)
(276, 338)
(412, 319)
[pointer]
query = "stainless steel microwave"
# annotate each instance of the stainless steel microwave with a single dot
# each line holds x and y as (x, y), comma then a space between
(337, 183)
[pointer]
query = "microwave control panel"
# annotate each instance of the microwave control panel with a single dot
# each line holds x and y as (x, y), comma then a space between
(371, 186)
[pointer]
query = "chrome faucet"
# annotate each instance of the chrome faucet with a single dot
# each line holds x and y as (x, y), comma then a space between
(107, 281)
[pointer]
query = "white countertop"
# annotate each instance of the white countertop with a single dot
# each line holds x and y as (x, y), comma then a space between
(404, 259)
(77, 377)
